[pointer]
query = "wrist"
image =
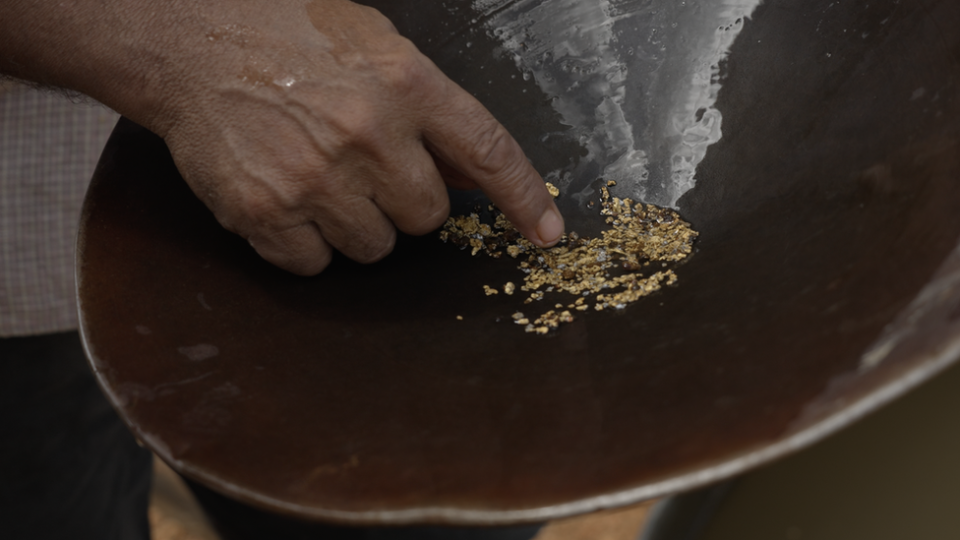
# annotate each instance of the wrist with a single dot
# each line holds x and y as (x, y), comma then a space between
(140, 59)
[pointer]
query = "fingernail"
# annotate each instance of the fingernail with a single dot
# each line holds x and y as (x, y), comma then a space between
(550, 227)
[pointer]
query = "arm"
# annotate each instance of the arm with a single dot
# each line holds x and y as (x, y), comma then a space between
(304, 126)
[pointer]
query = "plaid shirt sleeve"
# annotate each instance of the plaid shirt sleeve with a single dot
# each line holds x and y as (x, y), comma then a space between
(49, 146)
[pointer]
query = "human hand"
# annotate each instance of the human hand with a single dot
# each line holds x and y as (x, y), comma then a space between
(304, 126)
(324, 129)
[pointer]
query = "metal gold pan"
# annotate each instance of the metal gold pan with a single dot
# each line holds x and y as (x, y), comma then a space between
(826, 282)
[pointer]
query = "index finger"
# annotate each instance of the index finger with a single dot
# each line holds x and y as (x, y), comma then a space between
(468, 138)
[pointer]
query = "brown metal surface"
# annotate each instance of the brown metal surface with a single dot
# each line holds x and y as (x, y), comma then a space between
(831, 201)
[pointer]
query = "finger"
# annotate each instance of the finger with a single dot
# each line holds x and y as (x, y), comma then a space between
(415, 198)
(301, 250)
(452, 177)
(463, 134)
(358, 229)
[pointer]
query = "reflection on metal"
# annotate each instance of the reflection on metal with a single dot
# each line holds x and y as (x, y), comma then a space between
(608, 67)
(937, 301)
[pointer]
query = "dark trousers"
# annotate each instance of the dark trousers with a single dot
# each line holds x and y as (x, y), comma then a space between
(70, 469)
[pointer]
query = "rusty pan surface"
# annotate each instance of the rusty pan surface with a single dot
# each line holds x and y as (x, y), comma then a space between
(826, 281)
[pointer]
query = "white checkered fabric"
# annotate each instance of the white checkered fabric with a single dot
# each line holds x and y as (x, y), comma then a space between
(49, 146)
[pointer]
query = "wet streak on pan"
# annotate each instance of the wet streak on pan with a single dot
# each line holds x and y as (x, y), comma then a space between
(630, 85)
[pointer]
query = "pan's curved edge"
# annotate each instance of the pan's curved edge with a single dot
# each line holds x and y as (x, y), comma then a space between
(123, 129)
(693, 480)
(78, 274)
(945, 353)
(934, 362)
(943, 358)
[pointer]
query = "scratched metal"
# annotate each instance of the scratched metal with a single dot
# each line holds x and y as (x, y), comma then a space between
(823, 284)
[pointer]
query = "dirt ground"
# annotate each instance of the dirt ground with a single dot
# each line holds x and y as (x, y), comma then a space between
(174, 515)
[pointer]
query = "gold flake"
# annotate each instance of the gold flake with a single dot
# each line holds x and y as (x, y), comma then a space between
(553, 190)
(614, 266)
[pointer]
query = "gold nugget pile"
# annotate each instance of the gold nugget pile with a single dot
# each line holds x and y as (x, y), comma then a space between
(618, 268)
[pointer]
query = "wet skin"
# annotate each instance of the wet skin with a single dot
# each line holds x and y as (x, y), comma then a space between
(304, 126)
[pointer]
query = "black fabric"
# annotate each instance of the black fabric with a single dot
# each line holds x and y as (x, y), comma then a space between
(69, 468)
(235, 521)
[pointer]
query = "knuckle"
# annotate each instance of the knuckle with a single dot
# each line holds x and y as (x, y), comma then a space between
(431, 213)
(299, 250)
(326, 186)
(358, 126)
(318, 265)
(377, 18)
(260, 210)
(375, 248)
(240, 218)
(404, 72)
(309, 264)
(495, 153)
(264, 209)
(431, 221)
